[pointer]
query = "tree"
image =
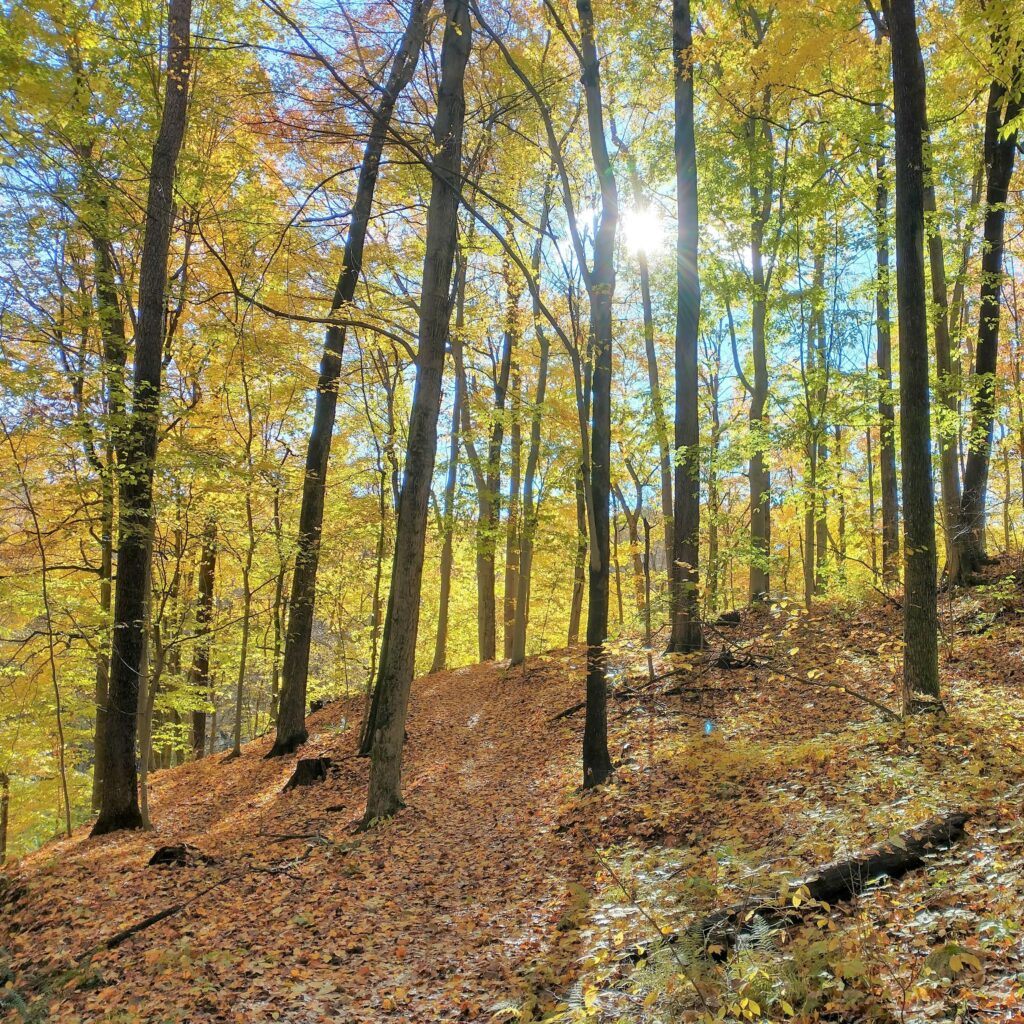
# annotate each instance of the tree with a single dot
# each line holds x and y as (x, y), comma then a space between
(199, 674)
(398, 648)
(1005, 105)
(920, 615)
(686, 630)
(291, 720)
(119, 802)
(600, 278)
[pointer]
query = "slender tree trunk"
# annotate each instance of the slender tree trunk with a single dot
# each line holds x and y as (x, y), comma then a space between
(448, 525)
(5, 807)
(686, 628)
(969, 552)
(886, 409)
(199, 673)
(103, 654)
(597, 764)
(119, 801)
(920, 622)
(947, 382)
(513, 534)
(398, 651)
(714, 572)
(291, 722)
(579, 577)
(279, 608)
(243, 654)
(529, 532)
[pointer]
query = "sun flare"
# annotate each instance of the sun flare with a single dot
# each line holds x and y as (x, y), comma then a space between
(645, 231)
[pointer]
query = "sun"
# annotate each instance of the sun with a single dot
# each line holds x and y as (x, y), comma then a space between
(644, 230)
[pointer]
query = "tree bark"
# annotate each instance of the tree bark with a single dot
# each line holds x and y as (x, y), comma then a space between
(685, 611)
(597, 764)
(513, 530)
(579, 570)
(199, 673)
(448, 526)
(119, 799)
(529, 531)
(5, 806)
(291, 721)
(398, 651)
(968, 550)
(920, 623)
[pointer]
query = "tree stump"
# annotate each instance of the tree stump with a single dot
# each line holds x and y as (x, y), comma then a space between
(183, 855)
(308, 772)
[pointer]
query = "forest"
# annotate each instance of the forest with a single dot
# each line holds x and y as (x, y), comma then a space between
(511, 511)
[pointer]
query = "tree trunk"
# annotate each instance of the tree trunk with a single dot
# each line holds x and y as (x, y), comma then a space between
(398, 651)
(291, 722)
(597, 764)
(579, 577)
(685, 611)
(529, 531)
(5, 806)
(448, 526)
(119, 800)
(920, 622)
(513, 534)
(279, 608)
(199, 673)
(969, 552)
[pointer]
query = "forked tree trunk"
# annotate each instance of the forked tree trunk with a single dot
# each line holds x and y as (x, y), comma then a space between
(398, 651)
(597, 764)
(119, 798)
(685, 610)
(291, 720)
(920, 617)
(969, 553)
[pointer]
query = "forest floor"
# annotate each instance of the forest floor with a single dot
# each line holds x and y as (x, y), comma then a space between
(504, 893)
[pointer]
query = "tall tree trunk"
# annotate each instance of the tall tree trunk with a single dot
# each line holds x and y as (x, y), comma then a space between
(279, 607)
(448, 526)
(243, 653)
(398, 651)
(291, 721)
(119, 799)
(513, 533)
(529, 530)
(920, 616)
(883, 360)
(115, 353)
(969, 552)
(665, 450)
(686, 628)
(597, 764)
(199, 673)
(5, 807)
(579, 569)
(103, 653)
(487, 478)
(947, 382)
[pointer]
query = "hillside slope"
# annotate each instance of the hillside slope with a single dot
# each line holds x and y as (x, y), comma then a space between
(501, 890)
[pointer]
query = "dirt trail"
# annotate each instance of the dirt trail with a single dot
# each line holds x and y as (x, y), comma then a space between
(441, 915)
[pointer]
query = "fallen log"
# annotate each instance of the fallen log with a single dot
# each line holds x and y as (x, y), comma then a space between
(724, 930)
